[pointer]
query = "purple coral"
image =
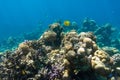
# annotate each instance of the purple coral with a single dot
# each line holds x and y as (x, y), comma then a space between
(56, 71)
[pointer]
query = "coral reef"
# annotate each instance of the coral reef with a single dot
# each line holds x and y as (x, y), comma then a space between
(53, 35)
(115, 43)
(100, 62)
(116, 59)
(104, 33)
(89, 25)
(107, 35)
(12, 42)
(61, 56)
(111, 50)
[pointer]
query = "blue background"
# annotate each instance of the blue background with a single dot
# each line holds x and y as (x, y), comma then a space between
(19, 16)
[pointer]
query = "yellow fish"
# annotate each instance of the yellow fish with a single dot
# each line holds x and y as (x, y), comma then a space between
(66, 23)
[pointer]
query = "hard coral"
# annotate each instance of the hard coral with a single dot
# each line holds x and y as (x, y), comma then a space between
(79, 50)
(49, 36)
(100, 63)
(103, 37)
(116, 59)
(89, 25)
(53, 35)
(57, 56)
(23, 47)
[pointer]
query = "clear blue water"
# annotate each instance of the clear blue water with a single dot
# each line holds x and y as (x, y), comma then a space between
(19, 16)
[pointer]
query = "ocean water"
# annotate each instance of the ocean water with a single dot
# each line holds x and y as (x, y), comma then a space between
(19, 16)
(24, 20)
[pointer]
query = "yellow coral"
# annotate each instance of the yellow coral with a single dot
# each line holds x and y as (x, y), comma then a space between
(100, 62)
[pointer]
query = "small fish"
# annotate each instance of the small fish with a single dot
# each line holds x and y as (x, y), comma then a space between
(67, 23)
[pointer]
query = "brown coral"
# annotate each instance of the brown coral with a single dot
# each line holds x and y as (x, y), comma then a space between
(49, 36)
(100, 62)
(57, 56)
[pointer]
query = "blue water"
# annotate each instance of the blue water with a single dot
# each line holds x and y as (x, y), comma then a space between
(20, 16)
(28, 18)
